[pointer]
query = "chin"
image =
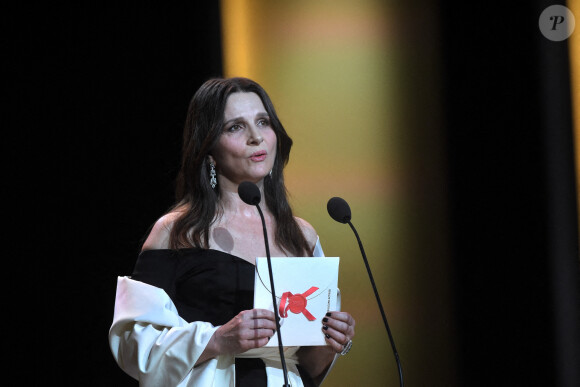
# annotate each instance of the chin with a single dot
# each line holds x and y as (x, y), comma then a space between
(252, 179)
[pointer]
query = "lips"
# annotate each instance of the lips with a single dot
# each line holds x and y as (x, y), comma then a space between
(259, 156)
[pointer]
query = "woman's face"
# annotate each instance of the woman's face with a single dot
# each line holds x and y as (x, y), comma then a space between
(247, 147)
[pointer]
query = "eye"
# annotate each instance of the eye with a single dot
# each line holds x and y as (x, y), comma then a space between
(235, 127)
(264, 122)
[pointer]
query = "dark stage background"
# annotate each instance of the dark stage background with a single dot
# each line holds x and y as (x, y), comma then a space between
(96, 101)
(512, 196)
(97, 98)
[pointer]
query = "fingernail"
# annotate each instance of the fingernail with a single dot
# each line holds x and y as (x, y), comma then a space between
(327, 336)
(325, 327)
(325, 320)
(328, 314)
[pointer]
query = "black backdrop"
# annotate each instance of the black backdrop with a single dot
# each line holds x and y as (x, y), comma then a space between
(512, 196)
(96, 101)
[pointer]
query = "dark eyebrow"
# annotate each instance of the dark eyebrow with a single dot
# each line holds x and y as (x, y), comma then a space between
(259, 115)
(232, 120)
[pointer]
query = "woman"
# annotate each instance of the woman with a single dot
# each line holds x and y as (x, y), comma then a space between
(185, 317)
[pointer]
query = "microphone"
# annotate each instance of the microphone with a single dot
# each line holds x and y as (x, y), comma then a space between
(339, 210)
(250, 194)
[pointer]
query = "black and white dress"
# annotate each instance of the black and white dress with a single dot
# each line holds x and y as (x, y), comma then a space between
(168, 309)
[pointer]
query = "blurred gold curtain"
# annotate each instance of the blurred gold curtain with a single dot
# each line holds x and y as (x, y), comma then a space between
(354, 82)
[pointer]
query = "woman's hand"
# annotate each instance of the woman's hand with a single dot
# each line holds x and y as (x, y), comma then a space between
(249, 329)
(338, 329)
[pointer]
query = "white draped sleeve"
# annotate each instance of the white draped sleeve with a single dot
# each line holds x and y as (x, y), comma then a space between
(153, 344)
(318, 249)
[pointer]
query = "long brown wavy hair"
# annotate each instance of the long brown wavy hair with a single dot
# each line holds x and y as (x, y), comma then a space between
(196, 201)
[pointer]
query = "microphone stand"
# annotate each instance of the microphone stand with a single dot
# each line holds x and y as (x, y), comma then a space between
(280, 346)
(380, 305)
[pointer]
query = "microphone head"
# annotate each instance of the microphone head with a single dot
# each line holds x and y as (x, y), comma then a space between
(249, 193)
(339, 210)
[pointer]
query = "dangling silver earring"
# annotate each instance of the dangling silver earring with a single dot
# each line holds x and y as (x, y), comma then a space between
(212, 179)
(270, 173)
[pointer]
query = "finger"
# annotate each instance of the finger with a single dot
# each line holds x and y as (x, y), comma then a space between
(249, 316)
(262, 333)
(257, 343)
(341, 316)
(338, 326)
(262, 323)
(250, 343)
(262, 313)
(333, 344)
(338, 336)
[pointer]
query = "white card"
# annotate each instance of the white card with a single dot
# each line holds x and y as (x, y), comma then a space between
(306, 289)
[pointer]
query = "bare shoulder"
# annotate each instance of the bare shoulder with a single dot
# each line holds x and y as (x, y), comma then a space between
(159, 236)
(309, 232)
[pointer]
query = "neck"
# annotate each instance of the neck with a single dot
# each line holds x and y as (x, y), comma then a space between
(231, 202)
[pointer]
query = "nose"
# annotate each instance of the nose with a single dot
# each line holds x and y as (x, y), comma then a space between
(255, 138)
